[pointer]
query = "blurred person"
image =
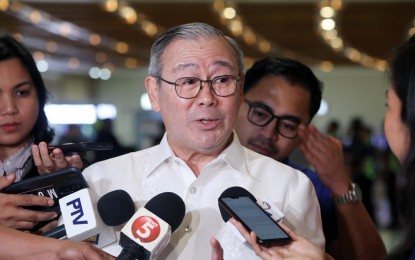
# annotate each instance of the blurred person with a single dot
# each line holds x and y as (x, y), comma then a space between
(21, 245)
(400, 132)
(195, 81)
(360, 157)
(333, 128)
(73, 134)
(106, 134)
(23, 125)
(288, 91)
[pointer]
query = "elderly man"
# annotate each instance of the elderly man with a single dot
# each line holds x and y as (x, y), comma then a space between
(195, 81)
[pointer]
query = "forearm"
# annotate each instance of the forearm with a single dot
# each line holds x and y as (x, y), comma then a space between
(21, 245)
(358, 237)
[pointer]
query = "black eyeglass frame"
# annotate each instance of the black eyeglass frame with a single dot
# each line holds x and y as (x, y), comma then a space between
(272, 116)
(201, 81)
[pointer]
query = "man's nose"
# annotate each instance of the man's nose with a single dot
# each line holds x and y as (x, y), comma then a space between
(206, 95)
(270, 130)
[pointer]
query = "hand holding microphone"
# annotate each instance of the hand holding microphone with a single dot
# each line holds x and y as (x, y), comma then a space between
(148, 232)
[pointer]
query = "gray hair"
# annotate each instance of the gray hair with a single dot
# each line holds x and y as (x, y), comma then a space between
(187, 31)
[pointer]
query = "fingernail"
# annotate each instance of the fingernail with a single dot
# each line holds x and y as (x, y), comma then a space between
(51, 202)
(10, 176)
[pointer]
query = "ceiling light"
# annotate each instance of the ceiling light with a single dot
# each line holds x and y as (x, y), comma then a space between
(128, 14)
(121, 47)
(4, 5)
(111, 5)
(35, 17)
(326, 66)
(65, 29)
(101, 57)
(42, 66)
(150, 28)
(94, 39)
(264, 46)
(229, 13)
(105, 74)
(236, 27)
(94, 72)
(327, 24)
(327, 12)
(52, 46)
(74, 63)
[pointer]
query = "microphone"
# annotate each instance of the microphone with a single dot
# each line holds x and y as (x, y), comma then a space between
(148, 232)
(82, 223)
(114, 208)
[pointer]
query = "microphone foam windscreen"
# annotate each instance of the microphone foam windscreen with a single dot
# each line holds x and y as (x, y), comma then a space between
(116, 207)
(233, 192)
(169, 207)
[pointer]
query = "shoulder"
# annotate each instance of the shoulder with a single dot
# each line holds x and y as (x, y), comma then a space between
(265, 167)
(118, 164)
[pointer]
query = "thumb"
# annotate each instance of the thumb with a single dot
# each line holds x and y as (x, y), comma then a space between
(5, 181)
(217, 251)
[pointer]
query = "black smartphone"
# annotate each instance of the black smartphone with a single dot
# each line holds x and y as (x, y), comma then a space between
(55, 185)
(253, 218)
(81, 148)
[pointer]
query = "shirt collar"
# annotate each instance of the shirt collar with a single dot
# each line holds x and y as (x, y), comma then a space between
(161, 153)
(16, 162)
(232, 155)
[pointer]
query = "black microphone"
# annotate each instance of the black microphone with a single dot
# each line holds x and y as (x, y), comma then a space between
(148, 232)
(114, 208)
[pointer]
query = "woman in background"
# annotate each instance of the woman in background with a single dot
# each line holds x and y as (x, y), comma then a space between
(23, 124)
(400, 133)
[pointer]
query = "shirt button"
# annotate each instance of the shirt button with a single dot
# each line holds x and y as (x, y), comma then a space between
(188, 229)
(193, 190)
(178, 163)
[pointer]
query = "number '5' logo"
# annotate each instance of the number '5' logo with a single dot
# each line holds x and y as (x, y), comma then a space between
(145, 228)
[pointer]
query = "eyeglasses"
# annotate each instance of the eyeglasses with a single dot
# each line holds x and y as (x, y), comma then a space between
(261, 115)
(189, 87)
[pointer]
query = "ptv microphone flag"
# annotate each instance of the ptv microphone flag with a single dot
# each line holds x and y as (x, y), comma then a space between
(81, 221)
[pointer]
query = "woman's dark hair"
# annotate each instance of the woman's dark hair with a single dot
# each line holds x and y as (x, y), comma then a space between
(402, 77)
(12, 49)
(293, 71)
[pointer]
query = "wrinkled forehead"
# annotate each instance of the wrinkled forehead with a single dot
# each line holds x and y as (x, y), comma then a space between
(188, 53)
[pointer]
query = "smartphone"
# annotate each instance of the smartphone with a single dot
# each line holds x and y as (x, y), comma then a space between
(253, 218)
(55, 185)
(81, 148)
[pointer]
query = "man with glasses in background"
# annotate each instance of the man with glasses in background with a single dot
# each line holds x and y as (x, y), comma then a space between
(195, 81)
(281, 98)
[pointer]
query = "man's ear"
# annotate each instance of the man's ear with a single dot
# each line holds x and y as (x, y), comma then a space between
(242, 82)
(153, 92)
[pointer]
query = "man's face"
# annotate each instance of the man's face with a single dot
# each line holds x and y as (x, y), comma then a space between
(202, 124)
(284, 100)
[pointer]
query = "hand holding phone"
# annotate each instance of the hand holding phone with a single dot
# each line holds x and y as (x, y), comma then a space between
(253, 218)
